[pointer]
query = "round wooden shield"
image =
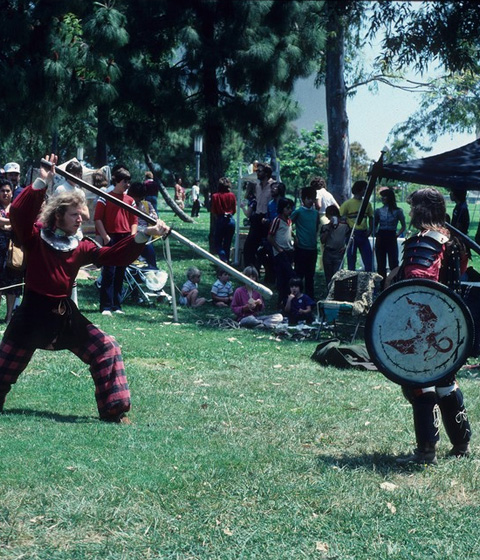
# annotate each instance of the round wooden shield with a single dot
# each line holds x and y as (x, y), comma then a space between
(418, 332)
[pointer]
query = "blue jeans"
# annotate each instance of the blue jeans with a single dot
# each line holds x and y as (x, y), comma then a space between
(224, 230)
(360, 241)
(284, 273)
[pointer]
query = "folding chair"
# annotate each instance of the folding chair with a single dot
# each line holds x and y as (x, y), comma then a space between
(350, 296)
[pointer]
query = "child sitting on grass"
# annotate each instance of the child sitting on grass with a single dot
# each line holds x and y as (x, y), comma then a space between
(222, 290)
(189, 296)
(247, 304)
(299, 305)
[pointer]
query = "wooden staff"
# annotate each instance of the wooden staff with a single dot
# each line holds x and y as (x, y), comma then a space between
(469, 242)
(196, 248)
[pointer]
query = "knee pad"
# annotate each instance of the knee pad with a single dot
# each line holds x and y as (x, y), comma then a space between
(445, 391)
(412, 394)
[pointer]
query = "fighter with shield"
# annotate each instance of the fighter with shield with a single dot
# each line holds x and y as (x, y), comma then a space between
(419, 332)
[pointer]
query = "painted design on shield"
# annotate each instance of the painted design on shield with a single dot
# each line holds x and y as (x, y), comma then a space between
(427, 339)
(418, 332)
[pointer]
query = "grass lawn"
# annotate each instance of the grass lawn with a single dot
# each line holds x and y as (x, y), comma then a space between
(241, 447)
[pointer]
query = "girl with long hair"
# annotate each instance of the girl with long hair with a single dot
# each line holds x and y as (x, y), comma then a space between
(387, 218)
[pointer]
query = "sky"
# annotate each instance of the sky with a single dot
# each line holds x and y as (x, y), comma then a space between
(371, 116)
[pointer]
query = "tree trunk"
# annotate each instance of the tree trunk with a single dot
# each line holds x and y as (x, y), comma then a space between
(101, 152)
(339, 177)
(213, 127)
(54, 148)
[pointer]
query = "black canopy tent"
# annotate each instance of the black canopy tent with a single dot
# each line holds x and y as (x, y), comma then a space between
(456, 169)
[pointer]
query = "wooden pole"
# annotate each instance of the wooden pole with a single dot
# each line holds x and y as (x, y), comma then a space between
(223, 265)
(196, 248)
(172, 282)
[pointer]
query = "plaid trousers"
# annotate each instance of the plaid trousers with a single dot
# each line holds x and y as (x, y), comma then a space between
(101, 352)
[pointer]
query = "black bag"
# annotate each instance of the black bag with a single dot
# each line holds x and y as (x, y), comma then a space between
(332, 352)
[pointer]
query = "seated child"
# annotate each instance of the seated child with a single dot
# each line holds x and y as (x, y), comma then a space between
(299, 305)
(247, 303)
(222, 290)
(189, 296)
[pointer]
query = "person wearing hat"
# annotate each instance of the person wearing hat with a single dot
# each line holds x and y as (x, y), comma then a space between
(12, 173)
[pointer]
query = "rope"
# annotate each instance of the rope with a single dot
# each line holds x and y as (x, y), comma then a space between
(219, 323)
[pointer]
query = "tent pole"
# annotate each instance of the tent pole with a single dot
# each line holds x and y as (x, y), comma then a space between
(366, 198)
(237, 222)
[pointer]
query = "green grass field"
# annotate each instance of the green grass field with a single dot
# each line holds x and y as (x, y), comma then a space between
(241, 447)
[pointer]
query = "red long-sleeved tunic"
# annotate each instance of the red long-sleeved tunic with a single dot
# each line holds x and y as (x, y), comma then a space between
(51, 272)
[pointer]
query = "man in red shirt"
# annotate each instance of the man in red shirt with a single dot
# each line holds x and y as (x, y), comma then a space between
(47, 317)
(114, 223)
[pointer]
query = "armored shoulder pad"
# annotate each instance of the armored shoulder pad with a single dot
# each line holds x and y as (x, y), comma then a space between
(436, 235)
(423, 249)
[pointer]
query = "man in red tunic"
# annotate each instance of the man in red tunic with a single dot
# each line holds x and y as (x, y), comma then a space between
(47, 317)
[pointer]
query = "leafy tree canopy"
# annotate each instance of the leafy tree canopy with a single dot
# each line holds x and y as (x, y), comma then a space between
(359, 162)
(420, 34)
(303, 158)
(451, 104)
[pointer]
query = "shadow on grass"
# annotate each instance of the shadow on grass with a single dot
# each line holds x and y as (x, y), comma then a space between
(381, 463)
(65, 418)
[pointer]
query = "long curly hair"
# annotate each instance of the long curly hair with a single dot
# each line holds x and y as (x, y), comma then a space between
(57, 205)
(428, 209)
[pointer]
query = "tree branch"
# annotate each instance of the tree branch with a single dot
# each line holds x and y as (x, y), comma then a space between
(163, 189)
(407, 85)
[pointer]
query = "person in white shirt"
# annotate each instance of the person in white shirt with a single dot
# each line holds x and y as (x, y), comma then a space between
(324, 198)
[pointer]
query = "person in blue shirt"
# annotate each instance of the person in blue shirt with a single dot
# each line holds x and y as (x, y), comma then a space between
(278, 191)
(299, 306)
(306, 221)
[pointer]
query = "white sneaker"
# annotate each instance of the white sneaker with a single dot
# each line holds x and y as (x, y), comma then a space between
(119, 312)
(107, 313)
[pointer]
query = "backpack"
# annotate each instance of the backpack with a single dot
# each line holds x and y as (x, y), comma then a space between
(332, 352)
